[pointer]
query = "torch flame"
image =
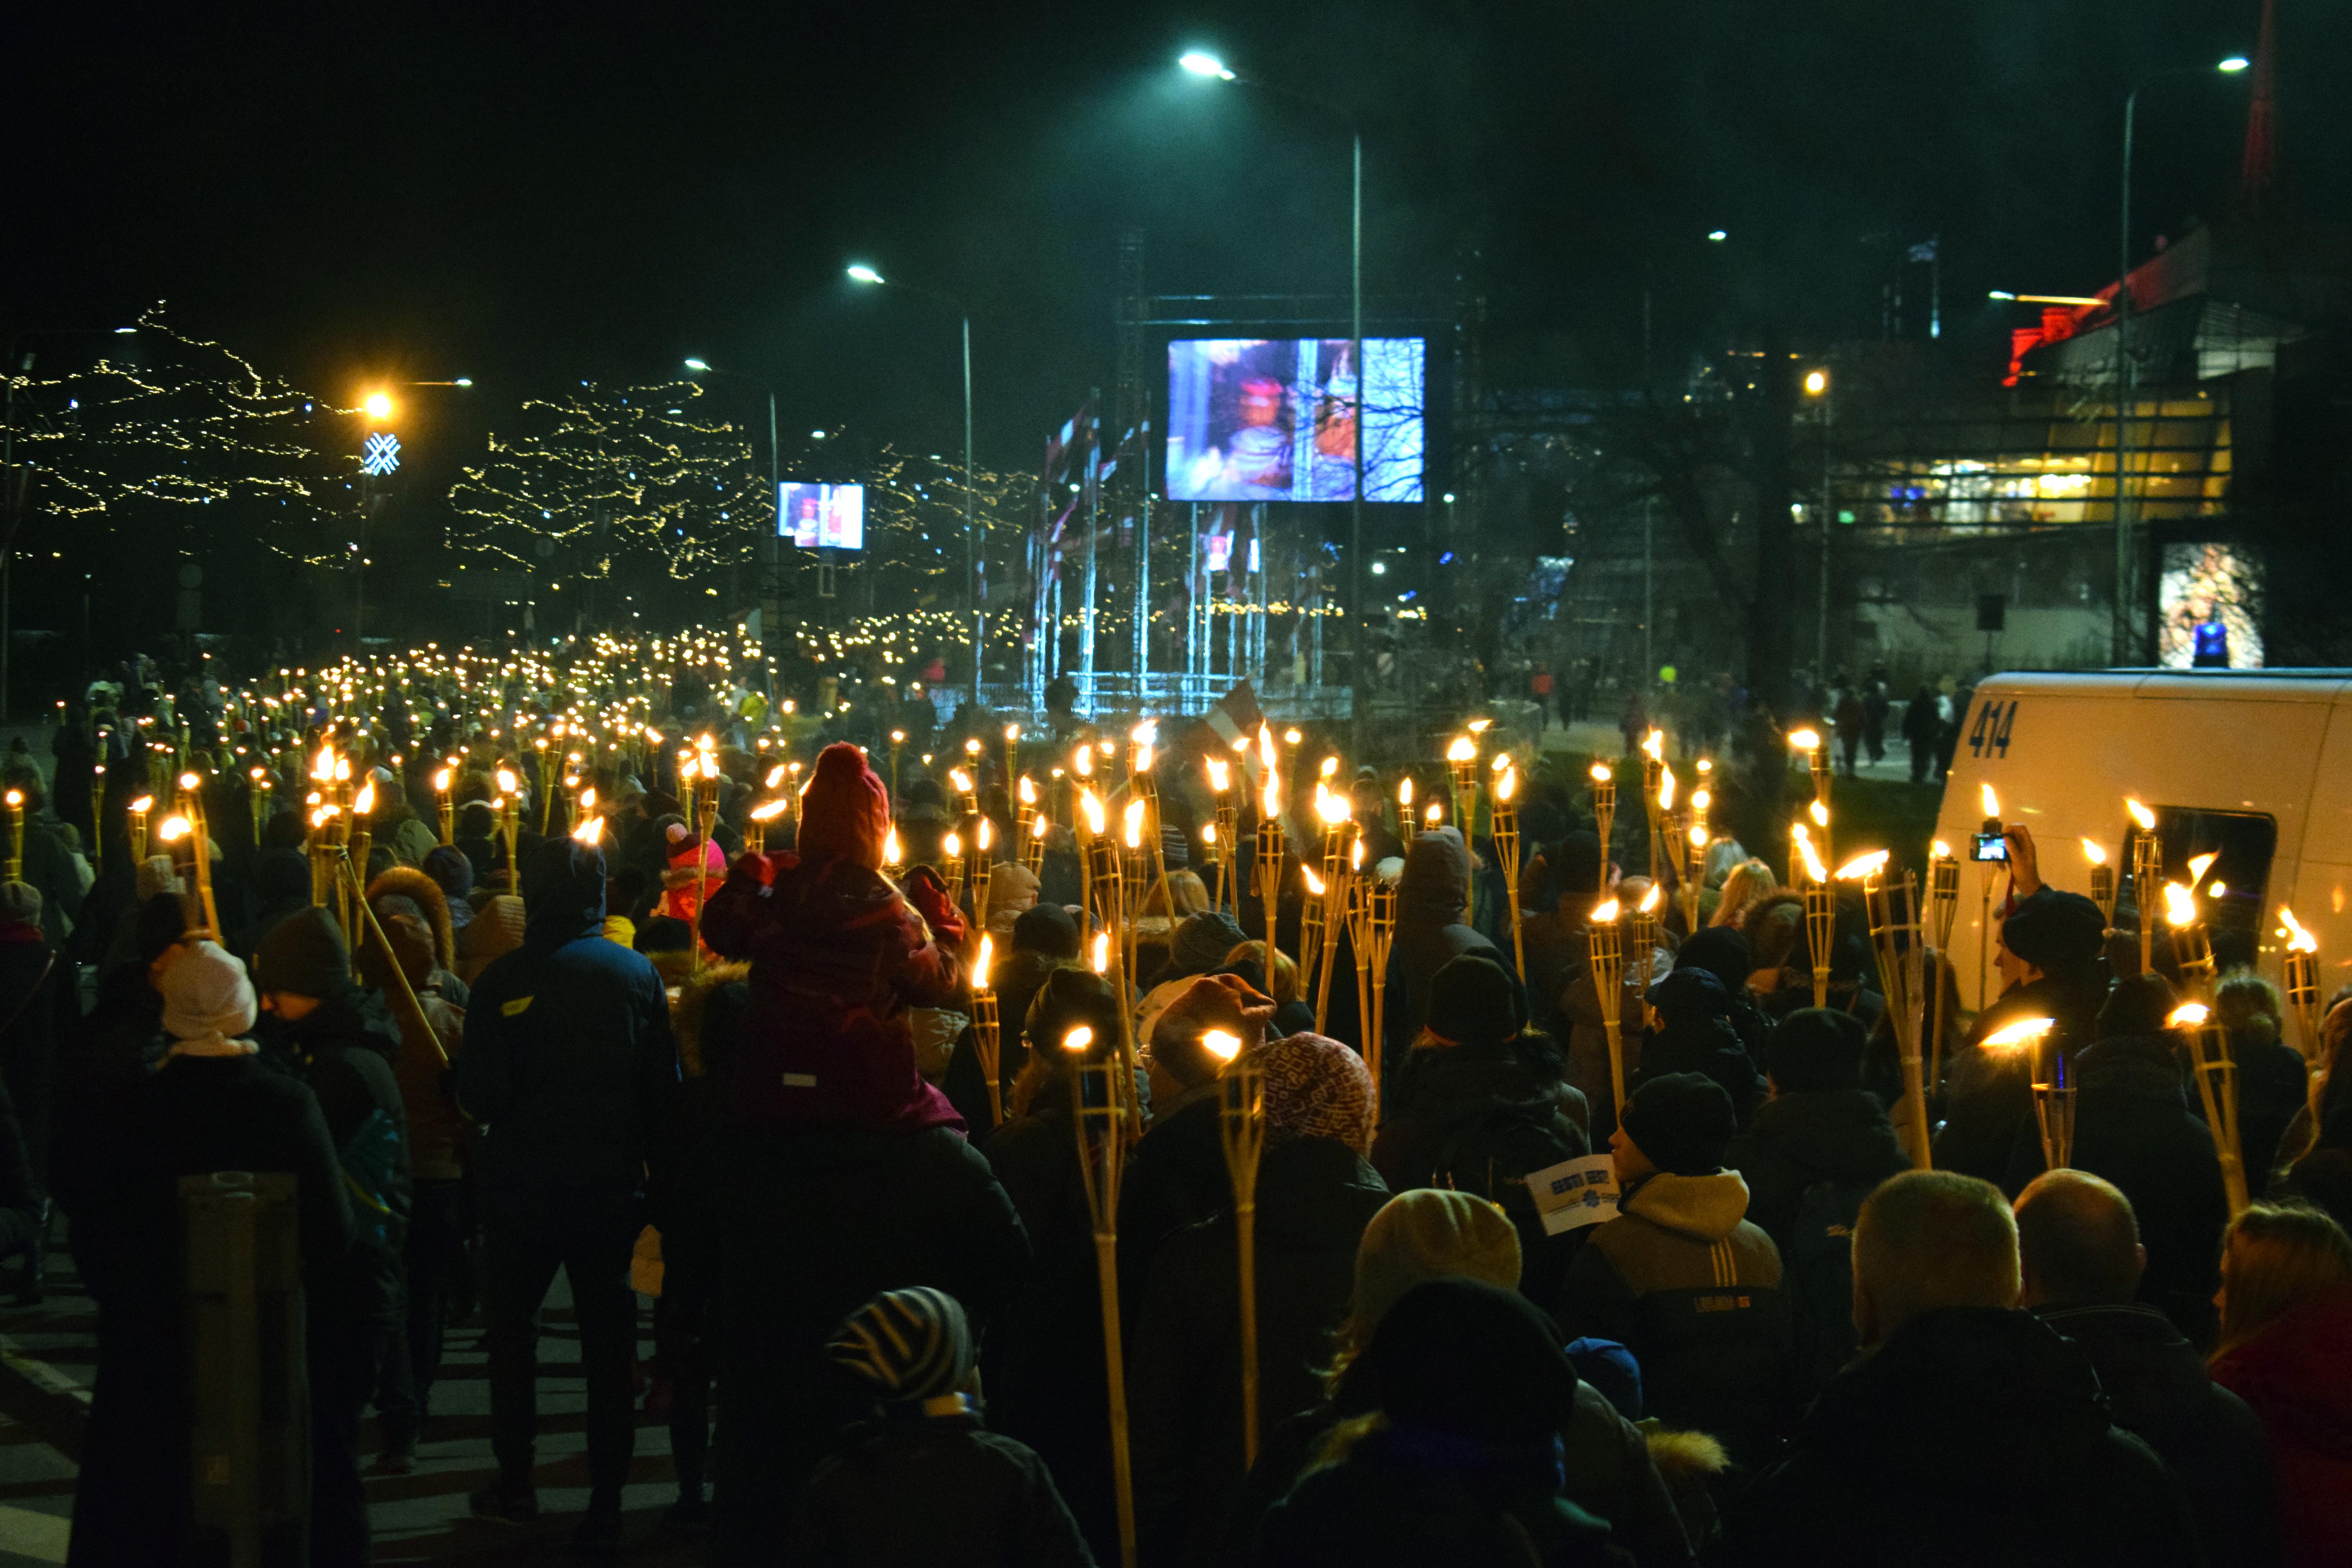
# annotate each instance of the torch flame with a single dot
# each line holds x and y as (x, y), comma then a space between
(2298, 939)
(1701, 799)
(1265, 747)
(2200, 864)
(365, 804)
(145, 803)
(1078, 1039)
(1819, 813)
(1355, 856)
(324, 768)
(1649, 903)
(1209, 832)
(2188, 1015)
(1221, 1044)
(1434, 815)
(1012, 731)
(1331, 808)
(1940, 850)
(1221, 777)
(2141, 814)
(1507, 785)
(1314, 882)
(1863, 868)
(1093, 808)
(1805, 842)
(174, 828)
(2180, 905)
(775, 776)
(953, 844)
(2093, 853)
(1665, 788)
(2024, 1032)
(980, 962)
(1027, 791)
(768, 813)
(506, 781)
(1600, 772)
(1082, 763)
(891, 853)
(1404, 791)
(189, 780)
(1039, 824)
(441, 782)
(1330, 765)
(1101, 962)
(1655, 745)
(591, 829)
(1605, 913)
(1270, 797)
(1135, 809)
(986, 833)
(961, 779)
(1462, 750)
(1804, 739)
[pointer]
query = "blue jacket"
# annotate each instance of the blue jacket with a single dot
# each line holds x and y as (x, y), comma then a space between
(569, 1064)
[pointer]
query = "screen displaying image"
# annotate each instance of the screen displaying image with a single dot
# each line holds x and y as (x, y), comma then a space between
(2210, 608)
(830, 517)
(1274, 419)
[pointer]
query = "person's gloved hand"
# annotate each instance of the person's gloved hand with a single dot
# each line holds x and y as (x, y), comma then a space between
(928, 896)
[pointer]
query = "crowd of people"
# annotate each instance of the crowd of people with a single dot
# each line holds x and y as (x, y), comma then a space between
(645, 1048)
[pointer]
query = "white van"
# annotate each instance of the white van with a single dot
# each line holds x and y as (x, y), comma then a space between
(2253, 764)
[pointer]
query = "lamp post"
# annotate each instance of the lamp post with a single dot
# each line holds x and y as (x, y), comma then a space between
(861, 273)
(775, 463)
(2125, 642)
(1203, 64)
(1817, 386)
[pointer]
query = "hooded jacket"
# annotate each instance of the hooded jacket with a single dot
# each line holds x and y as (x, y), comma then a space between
(1315, 1196)
(1430, 931)
(2296, 1374)
(1971, 1437)
(838, 956)
(569, 1064)
(1837, 1135)
(2160, 1391)
(408, 882)
(1686, 1283)
(1694, 1033)
(2132, 1127)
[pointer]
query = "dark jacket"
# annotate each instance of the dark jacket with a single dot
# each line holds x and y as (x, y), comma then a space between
(1405, 1499)
(2132, 1126)
(1837, 1135)
(1971, 1436)
(1605, 1461)
(2159, 1390)
(2071, 996)
(99, 1087)
(2273, 1083)
(342, 1050)
(1430, 903)
(38, 1002)
(1682, 1279)
(1183, 1369)
(918, 1492)
(568, 1062)
(813, 1226)
(1710, 1048)
(1175, 1176)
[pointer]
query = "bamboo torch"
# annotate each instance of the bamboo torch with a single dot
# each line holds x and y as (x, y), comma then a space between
(2217, 1087)
(1694, 841)
(1221, 829)
(1096, 1096)
(2054, 1097)
(2147, 869)
(1944, 908)
(16, 801)
(755, 839)
(445, 803)
(1653, 769)
(1505, 829)
(1359, 934)
(1406, 826)
(97, 818)
(983, 868)
(1604, 945)
(897, 742)
(2302, 964)
(1820, 908)
(1333, 903)
(510, 808)
(1133, 878)
(985, 1040)
(1897, 944)
(1381, 916)
(1462, 757)
(1032, 846)
(1024, 803)
(952, 866)
(1012, 750)
(1644, 935)
(1269, 856)
(192, 807)
(1241, 1085)
(2192, 947)
(1604, 816)
(2103, 881)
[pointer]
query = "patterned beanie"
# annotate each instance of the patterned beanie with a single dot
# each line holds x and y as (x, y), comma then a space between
(1317, 1087)
(912, 1344)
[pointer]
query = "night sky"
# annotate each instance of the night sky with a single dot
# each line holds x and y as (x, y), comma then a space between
(529, 194)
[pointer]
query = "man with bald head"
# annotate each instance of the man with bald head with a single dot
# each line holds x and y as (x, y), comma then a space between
(2078, 1241)
(1965, 1431)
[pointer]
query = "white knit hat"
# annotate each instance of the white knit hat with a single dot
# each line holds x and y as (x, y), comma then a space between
(205, 993)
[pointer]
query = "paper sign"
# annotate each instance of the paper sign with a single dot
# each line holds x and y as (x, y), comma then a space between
(1575, 1193)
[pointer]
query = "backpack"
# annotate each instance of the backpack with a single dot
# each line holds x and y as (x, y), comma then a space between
(371, 1163)
(1492, 1154)
(1817, 1276)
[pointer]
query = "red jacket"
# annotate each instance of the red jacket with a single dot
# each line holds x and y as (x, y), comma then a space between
(2296, 1374)
(838, 954)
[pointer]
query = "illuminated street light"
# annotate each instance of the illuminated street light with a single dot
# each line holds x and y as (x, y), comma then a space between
(1201, 64)
(378, 405)
(2049, 299)
(1816, 383)
(2233, 65)
(698, 365)
(1716, 236)
(862, 273)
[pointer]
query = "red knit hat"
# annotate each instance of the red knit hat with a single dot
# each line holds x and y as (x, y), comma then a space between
(845, 810)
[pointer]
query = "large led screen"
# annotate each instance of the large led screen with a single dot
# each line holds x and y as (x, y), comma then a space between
(1273, 419)
(830, 517)
(2210, 608)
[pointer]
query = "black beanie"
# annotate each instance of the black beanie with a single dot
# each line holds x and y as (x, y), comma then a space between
(1461, 1356)
(162, 923)
(2139, 1006)
(2053, 930)
(1470, 1002)
(1576, 864)
(1047, 931)
(303, 955)
(1681, 1122)
(1816, 1047)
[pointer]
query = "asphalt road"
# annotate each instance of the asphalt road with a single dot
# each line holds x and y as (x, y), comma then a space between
(46, 1364)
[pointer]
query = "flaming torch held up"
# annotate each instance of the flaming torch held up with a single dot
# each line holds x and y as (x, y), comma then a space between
(2217, 1087)
(1604, 945)
(2302, 976)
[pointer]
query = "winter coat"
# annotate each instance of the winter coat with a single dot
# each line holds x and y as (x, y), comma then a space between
(1314, 1198)
(1408, 1499)
(1605, 1463)
(281, 885)
(1430, 931)
(912, 1491)
(343, 1050)
(1175, 1176)
(2132, 1127)
(838, 956)
(1971, 1436)
(568, 1063)
(1588, 1047)
(812, 1226)
(99, 1081)
(2071, 996)
(2273, 1083)
(1708, 1047)
(431, 1036)
(1799, 1138)
(2160, 1391)
(2296, 1374)
(698, 868)
(685, 1198)
(1682, 1279)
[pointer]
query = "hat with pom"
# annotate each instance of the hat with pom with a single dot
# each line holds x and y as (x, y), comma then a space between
(845, 810)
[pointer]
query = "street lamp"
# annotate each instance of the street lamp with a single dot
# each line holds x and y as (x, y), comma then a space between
(861, 273)
(2123, 641)
(1201, 63)
(1817, 385)
(775, 468)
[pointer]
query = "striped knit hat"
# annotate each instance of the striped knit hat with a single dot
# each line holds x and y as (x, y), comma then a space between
(911, 1344)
